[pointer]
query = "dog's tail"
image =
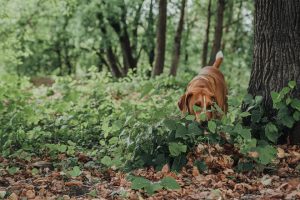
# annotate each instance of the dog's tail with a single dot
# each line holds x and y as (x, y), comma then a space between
(219, 59)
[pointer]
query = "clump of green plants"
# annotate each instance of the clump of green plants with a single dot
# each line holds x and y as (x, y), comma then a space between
(129, 128)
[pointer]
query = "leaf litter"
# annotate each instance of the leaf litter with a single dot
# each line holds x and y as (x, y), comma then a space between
(220, 179)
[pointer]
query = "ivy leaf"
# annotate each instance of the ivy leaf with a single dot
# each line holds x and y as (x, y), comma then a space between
(170, 124)
(202, 116)
(296, 115)
(271, 132)
(106, 160)
(245, 133)
(170, 183)
(276, 98)
(13, 170)
(266, 154)
(152, 187)
(139, 183)
(296, 104)
(212, 126)
(34, 171)
(62, 148)
(245, 114)
(292, 84)
(194, 129)
(177, 148)
(181, 131)
(75, 171)
(285, 91)
(201, 165)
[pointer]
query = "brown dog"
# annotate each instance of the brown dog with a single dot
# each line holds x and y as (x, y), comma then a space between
(205, 89)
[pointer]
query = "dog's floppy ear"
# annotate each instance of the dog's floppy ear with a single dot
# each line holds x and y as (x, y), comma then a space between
(181, 103)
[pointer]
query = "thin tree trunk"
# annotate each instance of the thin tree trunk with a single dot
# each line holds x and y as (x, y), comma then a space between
(136, 23)
(276, 58)
(228, 23)
(207, 31)
(160, 39)
(218, 31)
(150, 46)
(111, 58)
(237, 29)
(177, 41)
(121, 29)
(67, 59)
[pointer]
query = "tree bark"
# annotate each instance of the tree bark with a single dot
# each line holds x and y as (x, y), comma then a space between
(150, 46)
(177, 41)
(228, 16)
(207, 31)
(237, 29)
(160, 39)
(276, 58)
(218, 31)
(111, 58)
(121, 29)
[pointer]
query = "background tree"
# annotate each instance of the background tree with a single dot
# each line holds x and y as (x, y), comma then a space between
(207, 31)
(160, 39)
(218, 31)
(276, 57)
(177, 41)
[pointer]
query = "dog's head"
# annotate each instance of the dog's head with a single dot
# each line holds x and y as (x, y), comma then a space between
(201, 98)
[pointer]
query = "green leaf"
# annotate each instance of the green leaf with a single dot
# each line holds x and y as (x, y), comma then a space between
(296, 116)
(285, 91)
(202, 116)
(245, 133)
(245, 114)
(266, 154)
(193, 128)
(34, 171)
(13, 170)
(62, 148)
(292, 84)
(201, 165)
(170, 183)
(181, 131)
(75, 172)
(296, 104)
(177, 148)
(93, 193)
(106, 160)
(170, 124)
(196, 108)
(271, 132)
(152, 187)
(276, 98)
(139, 183)
(258, 99)
(212, 126)
(245, 166)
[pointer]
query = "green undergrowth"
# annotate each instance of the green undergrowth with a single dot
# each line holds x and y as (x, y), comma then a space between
(129, 123)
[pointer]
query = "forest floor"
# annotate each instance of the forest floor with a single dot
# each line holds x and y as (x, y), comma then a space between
(40, 179)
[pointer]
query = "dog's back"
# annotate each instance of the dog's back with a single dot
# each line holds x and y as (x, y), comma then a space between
(212, 78)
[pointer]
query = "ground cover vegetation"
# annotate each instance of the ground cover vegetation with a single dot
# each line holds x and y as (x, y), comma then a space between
(89, 110)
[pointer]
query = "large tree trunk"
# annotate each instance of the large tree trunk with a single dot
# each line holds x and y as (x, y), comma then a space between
(177, 41)
(206, 40)
(160, 39)
(276, 58)
(218, 31)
